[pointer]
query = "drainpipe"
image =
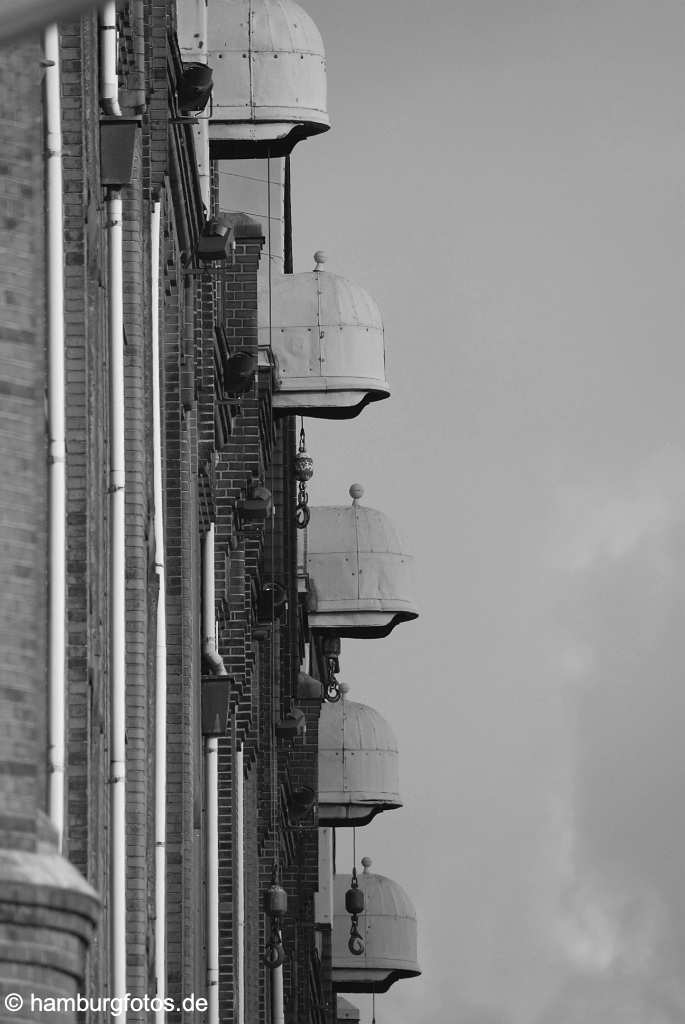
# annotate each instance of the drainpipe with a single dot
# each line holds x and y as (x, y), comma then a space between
(238, 788)
(109, 80)
(117, 602)
(209, 650)
(215, 661)
(212, 803)
(202, 156)
(202, 130)
(277, 995)
(138, 25)
(161, 646)
(56, 431)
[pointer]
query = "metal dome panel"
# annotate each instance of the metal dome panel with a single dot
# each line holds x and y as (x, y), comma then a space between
(346, 1011)
(388, 928)
(269, 77)
(360, 579)
(327, 339)
(358, 776)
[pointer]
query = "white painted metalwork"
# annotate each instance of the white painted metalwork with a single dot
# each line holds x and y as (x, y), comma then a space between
(161, 635)
(109, 79)
(239, 789)
(269, 76)
(117, 601)
(212, 867)
(57, 516)
(360, 578)
(346, 1011)
(358, 776)
(211, 752)
(328, 346)
(388, 928)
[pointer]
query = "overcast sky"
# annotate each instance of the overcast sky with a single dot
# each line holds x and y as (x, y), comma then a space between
(506, 178)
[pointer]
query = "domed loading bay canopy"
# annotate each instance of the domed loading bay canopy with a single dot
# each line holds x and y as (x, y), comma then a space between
(360, 580)
(269, 70)
(358, 757)
(326, 336)
(388, 929)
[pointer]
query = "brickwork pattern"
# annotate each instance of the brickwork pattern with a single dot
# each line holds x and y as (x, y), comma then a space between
(23, 463)
(47, 913)
(87, 382)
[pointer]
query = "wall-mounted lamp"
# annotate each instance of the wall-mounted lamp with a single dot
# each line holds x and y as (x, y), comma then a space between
(194, 87)
(272, 601)
(300, 802)
(253, 510)
(216, 241)
(292, 725)
(118, 138)
(215, 697)
(238, 372)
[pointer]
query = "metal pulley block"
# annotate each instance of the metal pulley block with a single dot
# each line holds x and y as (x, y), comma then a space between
(275, 901)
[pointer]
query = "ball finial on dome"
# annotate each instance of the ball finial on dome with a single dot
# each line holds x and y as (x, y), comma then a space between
(344, 688)
(366, 864)
(319, 258)
(356, 492)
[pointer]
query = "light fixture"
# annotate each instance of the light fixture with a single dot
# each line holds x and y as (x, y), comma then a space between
(292, 725)
(253, 510)
(272, 601)
(238, 372)
(194, 88)
(215, 698)
(217, 240)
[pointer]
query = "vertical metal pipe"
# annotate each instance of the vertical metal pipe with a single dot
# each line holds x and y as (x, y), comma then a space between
(212, 806)
(138, 19)
(161, 640)
(239, 790)
(117, 586)
(211, 785)
(109, 79)
(209, 648)
(277, 1016)
(56, 431)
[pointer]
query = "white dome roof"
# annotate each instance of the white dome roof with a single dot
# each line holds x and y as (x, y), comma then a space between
(388, 928)
(358, 757)
(327, 340)
(345, 1010)
(360, 578)
(269, 69)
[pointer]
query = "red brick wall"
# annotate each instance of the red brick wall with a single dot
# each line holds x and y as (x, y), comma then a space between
(86, 443)
(23, 448)
(46, 911)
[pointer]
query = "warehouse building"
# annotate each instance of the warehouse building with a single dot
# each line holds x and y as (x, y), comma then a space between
(177, 750)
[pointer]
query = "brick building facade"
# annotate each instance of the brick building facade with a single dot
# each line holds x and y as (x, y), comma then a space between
(162, 313)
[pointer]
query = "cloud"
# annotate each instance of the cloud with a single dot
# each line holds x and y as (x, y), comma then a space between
(609, 922)
(616, 999)
(606, 520)
(620, 921)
